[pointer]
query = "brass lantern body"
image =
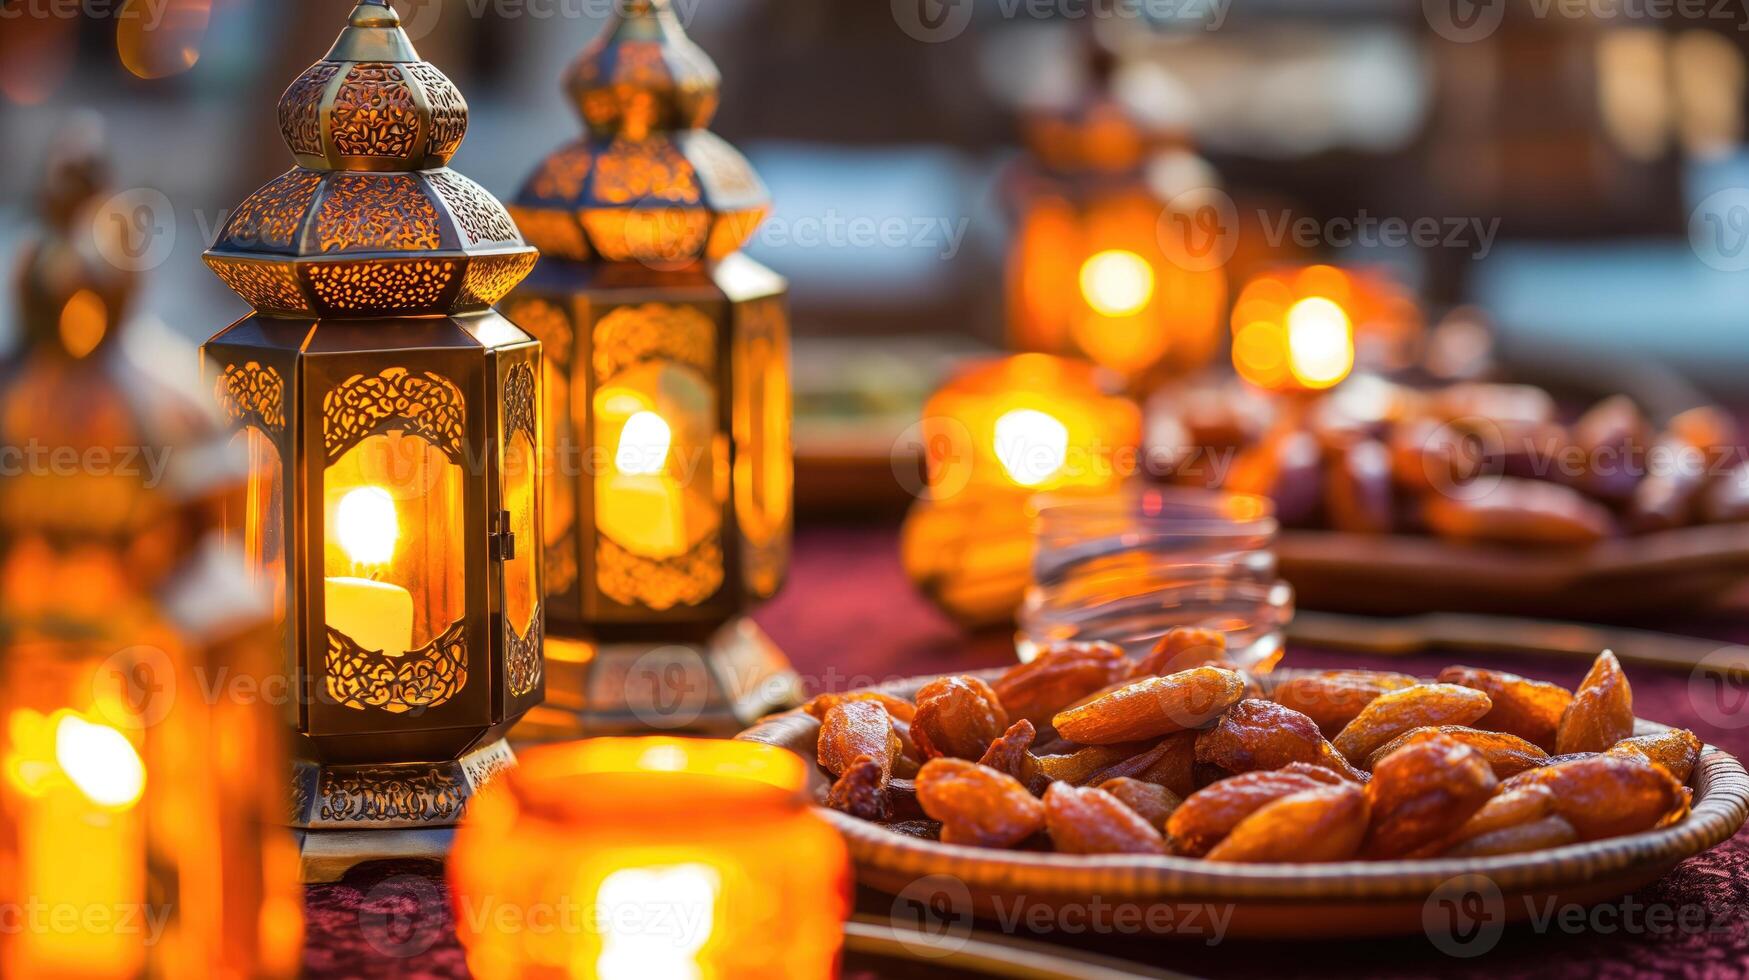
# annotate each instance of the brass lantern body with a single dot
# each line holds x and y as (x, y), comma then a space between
(1115, 258)
(139, 753)
(669, 503)
(392, 421)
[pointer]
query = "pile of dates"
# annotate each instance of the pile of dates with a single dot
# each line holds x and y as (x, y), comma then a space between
(1084, 751)
(1470, 461)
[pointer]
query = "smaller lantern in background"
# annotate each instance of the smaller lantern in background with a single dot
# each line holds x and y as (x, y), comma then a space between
(137, 799)
(392, 422)
(990, 438)
(1117, 248)
(667, 400)
(1308, 328)
(687, 858)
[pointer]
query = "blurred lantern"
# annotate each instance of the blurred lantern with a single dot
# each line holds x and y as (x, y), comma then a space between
(1117, 254)
(1306, 329)
(992, 437)
(690, 858)
(139, 758)
(668, 399)
(392, 424)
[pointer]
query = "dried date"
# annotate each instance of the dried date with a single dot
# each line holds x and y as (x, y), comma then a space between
(977, 805)
(1393, 713)
(1153, 707)
(1602, 712)
(958, 717)
(1088, 820)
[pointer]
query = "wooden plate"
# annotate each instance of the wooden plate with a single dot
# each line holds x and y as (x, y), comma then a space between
(1664, 571)
(1166, 895)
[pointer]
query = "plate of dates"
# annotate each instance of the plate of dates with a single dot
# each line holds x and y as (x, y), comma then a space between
(1297, 803)
(1475, 497)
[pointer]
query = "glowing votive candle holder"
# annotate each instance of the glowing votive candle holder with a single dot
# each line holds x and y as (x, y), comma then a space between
(639, 858)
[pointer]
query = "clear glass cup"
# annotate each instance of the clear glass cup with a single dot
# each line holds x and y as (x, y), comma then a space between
(1129, 565)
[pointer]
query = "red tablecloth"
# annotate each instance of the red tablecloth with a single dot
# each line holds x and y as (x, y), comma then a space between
(849, 617)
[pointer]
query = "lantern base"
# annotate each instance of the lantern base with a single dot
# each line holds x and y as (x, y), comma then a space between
(345, 815)
(717, 687)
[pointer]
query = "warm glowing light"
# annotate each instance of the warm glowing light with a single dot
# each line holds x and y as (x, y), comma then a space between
(643, 445)
(1320, 342)
(658, 919)
(1031, 445)
(100, 761)
(367, 526)
(161, 38)
(1117, 282)
(1259, 354)
(84, 321)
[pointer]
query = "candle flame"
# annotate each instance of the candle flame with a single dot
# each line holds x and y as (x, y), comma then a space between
(643, 445)
(1117, 282)
(1320, 342)
(1031, 445)
(100, 761)
(367, 526)
(657, 921)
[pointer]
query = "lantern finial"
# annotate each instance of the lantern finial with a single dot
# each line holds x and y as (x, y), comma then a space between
(73, 288)
(649, 184)
(371, 222)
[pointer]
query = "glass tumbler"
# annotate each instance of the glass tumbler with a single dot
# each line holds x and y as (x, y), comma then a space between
(1127, 566)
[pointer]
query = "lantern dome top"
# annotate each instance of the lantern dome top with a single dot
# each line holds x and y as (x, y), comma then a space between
(643, 75)
(371, 222)
(75, 280)
(372, 104)
(649, 184)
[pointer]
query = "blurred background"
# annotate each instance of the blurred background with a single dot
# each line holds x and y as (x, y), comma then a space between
(1573, 168)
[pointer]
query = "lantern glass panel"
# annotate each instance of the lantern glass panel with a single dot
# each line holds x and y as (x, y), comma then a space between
(656, 492)
(560, 437)
(521, 588)
(254, 520)
(393, 561)
(764, 468)
(74, 780)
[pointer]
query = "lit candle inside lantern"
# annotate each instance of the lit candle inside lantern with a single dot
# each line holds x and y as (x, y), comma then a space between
(991, 438)
(1117, 282)
(695, 859)
(1031, 445)
(1306, 329)
(1320, 342)
(376, 615)
(83, 833)
(643, 502)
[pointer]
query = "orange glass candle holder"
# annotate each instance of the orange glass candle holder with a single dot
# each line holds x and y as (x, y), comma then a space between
(991, 438)
(1307, 328)
(630, 858)
(1025, 424)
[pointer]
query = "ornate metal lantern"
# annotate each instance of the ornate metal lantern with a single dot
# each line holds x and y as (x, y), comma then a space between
(1116, 254)
(392, 421)
(667, 389)
(129, 782)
